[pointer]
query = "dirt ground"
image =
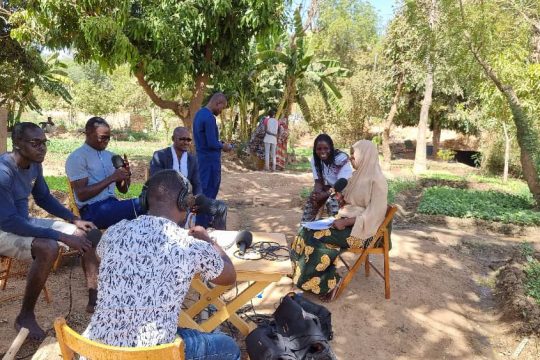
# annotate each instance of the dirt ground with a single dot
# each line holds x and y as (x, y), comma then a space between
(442, 270)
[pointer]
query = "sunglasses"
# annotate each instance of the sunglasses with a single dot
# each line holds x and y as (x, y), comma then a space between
(104, 138)
(184, 139)
(36, 144)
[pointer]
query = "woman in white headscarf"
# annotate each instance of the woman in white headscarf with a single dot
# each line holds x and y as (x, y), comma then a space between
(364, 208)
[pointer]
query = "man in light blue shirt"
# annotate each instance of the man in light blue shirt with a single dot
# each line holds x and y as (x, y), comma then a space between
(94, 178)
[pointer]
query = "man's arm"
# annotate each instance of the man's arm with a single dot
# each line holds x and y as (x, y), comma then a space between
(227, 276)
(85, 192)
(209, 126)
(45, 200)
(11, 221)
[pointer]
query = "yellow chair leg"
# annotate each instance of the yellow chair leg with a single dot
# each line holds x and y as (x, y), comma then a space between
(367, 266)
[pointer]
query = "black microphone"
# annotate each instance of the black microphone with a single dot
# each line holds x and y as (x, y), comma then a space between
(118, 162)
(203, 204)
(243, 240)
(94, 236)
(340, 184)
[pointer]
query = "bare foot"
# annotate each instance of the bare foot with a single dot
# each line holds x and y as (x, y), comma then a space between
(29, 321)
(331, 295)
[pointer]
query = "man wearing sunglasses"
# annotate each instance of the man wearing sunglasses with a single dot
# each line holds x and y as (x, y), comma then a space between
(178, 157)
(26, 238)
(94, 178)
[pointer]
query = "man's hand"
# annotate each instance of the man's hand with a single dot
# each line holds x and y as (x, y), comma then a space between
(200, 233)
(227, 147)
(78, 243)
(120, 174)
(194, 209)
(84, 225)
(341, 224)
(126, 165)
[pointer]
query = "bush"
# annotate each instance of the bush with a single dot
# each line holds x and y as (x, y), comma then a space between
(532, 280)
(397, 186)
(446, 155)
(487, 205)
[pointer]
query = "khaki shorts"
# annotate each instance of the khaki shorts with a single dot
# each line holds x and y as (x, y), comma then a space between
(20, 247)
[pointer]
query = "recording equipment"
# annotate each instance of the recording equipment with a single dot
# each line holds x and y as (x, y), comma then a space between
(94, 236)
(203, 204)
(118, 162)
(243, 240)
(340, 185)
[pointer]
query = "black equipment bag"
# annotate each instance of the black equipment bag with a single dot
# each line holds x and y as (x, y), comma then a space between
(303, 330)
(324, 315)
(264, 343)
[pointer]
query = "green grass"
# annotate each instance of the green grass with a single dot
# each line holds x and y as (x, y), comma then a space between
(397, 186)
(59, 183)
(532, 280)
(487, 205)
(141, 149)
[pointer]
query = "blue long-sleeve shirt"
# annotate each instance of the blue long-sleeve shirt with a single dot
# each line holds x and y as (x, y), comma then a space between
(206, 134)
(16, 185)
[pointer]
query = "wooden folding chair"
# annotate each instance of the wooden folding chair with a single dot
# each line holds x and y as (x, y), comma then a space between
(72, 343)
(379, 245)
(5, 273)
(72, 205)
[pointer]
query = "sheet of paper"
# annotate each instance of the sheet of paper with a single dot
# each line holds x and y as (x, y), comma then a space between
(225, 239)
(321, 224)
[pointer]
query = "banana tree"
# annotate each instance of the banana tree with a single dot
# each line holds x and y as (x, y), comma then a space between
(302, 70)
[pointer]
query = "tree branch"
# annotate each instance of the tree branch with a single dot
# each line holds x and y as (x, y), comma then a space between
(175, 106)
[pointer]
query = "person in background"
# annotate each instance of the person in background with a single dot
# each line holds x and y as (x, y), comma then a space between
(26, 238)
(208, 147)
(178, 157)
(281, 153)
(364, 207)
(146, 269)
(328, 165)
(94, 178)
(271, 127)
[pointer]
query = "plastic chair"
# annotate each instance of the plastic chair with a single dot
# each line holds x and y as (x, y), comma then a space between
(72, 343)
(382, 240)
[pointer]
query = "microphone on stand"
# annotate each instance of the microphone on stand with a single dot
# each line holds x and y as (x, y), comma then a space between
(243, 240)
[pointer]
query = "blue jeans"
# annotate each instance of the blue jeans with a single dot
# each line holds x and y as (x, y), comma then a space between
(208, 346)
(108, 212)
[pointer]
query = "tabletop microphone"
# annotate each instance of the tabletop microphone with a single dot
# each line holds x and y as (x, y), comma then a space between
(340, 185)
(203, 203)
(243, 240)
(94, 236)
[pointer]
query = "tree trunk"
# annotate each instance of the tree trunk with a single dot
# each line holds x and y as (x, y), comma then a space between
(387, 153)
(3, 129)
(420, 160)
(196, 100)
(527, 135)
(436, 136)
(506, 152)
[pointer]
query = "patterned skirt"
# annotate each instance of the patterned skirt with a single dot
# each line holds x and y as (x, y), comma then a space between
(315, 254)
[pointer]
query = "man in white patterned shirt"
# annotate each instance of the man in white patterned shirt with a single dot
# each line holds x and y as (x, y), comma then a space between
(146, 269)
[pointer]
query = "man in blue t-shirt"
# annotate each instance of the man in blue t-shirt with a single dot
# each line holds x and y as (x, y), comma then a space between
(208, 146)
(23, 237)
(93, 178)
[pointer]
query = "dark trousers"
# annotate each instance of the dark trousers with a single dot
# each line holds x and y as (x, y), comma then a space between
(210, 175)
(108, 212)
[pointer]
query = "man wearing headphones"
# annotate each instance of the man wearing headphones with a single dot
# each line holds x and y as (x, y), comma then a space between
(26, 238)
(146, 269)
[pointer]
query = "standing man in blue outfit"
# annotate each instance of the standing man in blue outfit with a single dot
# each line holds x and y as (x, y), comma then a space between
(178, 157)
(93, 178)
(26, 238)
(208, 146)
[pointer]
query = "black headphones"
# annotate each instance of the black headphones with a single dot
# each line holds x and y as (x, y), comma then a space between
(181, 201)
